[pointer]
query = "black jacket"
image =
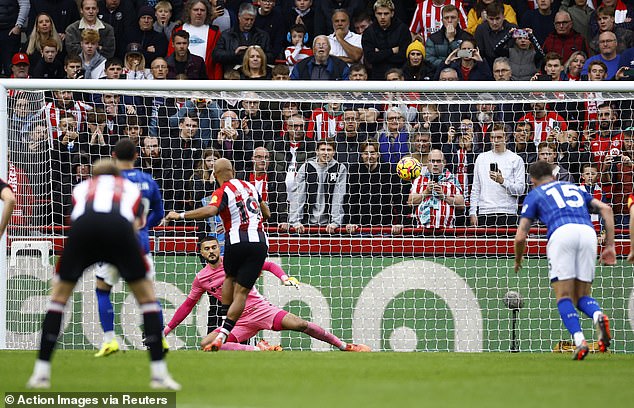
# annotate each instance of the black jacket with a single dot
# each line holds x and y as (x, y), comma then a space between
(396, 35)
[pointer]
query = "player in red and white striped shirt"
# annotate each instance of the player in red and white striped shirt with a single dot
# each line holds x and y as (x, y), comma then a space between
(246, 247)
(436, 194)
(428, 16)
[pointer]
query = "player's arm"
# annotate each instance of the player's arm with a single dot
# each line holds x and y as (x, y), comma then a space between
(200, 213)
(520, 241)
(157, 212)
(8, 198)
(608, 255)
(186, 308)
(266, 211)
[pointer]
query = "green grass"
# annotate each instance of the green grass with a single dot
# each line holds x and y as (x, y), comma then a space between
(334, 379)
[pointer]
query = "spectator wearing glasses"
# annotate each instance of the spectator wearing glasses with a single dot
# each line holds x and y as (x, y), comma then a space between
(394, 138)
(580, 13)
(471, 66)
(605, 22)
(564, 40)
(608, 55)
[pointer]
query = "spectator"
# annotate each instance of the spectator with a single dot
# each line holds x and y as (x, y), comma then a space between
(113, 68)
(321, 188)
(232, 142)
(477, 15)
(152, 43)
(48, 65)
(524, 54)
(43, 30)
(544, 121)
(90, 21)
(394, 138)
(608, 54)
(574, 66)
(182, 61)
(572, 154)
(592, 185)
(134, 63)
(548, 152)
(298, 50)
(541, 20)
(63, 103)
(375, 196)
(385, 43)
(151, 161)
(580, 12)
(522, 143)
(321, 66)
(63, 13)
(361, 22)
(72, 67)
(202, 183)
(265, 181)
(368, 111)
(605, 21)
(159, 68)
(280, 73)
(461, 164)
(470, 67)
(269, 19)
(448, 38)
(325, 10)
(420, 146)
(564, 40)
(597, 71)
(302, 13)
(400, 100)
(233, 43)
(436, 195)
(14, 16)
(502, 70)
(290, 153)
(164, 23)
(617, 171)
(122, 17)
(349, 139)
(448, 74)
(207, 113)
(20, 65)
(254, 64)
(606, 136)
(499, 180)
(429, 17)
(417, 68)
(553, 68)
(344, 43)
(622, 15)
(255, 122)
(205, 38)
(490, 33)
(93, 63)
(325, 122)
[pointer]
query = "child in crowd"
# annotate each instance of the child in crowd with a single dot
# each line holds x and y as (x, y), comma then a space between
(591, 183)
(297, 51)
(163, 23)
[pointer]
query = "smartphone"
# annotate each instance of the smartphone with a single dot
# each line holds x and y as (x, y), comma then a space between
(227, 122)
(629, 73)
(493, 167)
(544, 77)
(220, 3)
(81, 73)
(519, 33)
(465, 53)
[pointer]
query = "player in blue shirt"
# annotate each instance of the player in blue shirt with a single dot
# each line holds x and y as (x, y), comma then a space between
(571, 249)
(125, 153)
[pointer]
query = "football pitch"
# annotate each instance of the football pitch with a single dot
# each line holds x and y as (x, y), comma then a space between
(335, 379)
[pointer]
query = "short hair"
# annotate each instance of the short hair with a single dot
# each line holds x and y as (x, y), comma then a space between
(546, 145)
(358, 68)
(247, 8)
(524, 123)
(180, 33)
(231, 75)
(340, 10)
(280, 69)
(606, 11)
(328, 142)
(499, 126)
(540, 169)
(369, 142)
(105, 167)
(599, 63)
(96, 116)
(72, 58)
(396, 71)
(502, 60)
(189, 115)
(447, 70)
(90, 36)
(298, 28)
(383, 3)
(553, 56)
(113, 61)
(125, 149)
(202, 238)
(163, 4)
(585, 165)
(448, 9)
(49, 42)
(494, 9)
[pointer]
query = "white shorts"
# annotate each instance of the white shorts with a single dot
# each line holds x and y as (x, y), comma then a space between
(572, 253)
(110, 275)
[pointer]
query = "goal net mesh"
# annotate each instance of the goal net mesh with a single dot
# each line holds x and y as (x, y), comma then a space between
(398, 273)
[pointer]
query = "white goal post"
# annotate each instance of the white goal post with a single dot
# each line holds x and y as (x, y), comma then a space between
(422, 289)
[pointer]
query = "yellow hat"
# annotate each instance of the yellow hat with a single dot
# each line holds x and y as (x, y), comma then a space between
(416, 46)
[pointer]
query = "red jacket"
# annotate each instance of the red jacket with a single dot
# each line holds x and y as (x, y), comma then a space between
(565, 45)
(214, 69)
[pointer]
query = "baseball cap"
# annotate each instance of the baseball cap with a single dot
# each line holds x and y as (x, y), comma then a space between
(20, 58)
(134, 48)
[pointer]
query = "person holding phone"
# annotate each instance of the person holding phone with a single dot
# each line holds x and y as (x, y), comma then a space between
(495, 30)
(498, 182)
(467, 62)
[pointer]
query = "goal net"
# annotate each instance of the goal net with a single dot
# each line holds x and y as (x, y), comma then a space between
(381, 261)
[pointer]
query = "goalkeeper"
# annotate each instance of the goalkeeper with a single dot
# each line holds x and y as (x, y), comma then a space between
(259, 313)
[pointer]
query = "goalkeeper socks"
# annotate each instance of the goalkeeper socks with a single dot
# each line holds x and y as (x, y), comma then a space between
(319, 333)
(106, 312)
(227, 326)
(590, 307)
(224, 309)
(50, 330)
(569, 315)
(152, 327)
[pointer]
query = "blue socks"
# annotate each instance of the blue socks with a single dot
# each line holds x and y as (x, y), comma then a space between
(569, 315)
(589, 306)
(106, 313)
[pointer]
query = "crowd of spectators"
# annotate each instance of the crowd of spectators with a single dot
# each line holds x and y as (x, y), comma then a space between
(328, 164)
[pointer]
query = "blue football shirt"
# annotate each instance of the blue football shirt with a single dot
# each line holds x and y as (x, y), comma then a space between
(558, 203)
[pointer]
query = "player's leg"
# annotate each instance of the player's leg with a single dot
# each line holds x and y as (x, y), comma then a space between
(564, 294)
(232, 343)
(289, 321)
(106, 276)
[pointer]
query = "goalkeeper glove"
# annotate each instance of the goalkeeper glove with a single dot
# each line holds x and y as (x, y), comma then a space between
(291, 282)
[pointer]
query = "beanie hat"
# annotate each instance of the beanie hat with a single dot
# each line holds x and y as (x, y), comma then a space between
(416, 46)
(146, 11)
